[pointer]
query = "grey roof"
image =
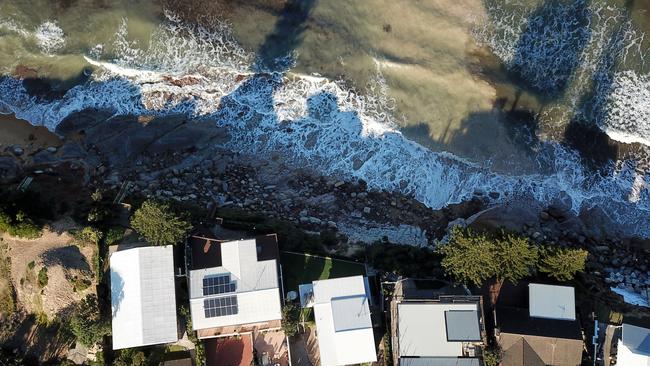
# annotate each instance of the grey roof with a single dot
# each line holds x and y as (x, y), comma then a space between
(349, 313)
(637, 339)
(438, 361)
(462, 325)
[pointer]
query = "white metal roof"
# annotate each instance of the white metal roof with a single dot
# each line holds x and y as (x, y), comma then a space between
(634, 347)
(422, 329)
(342, 304)
(627, 357)
(350, 313)
(143, 297)
(256, 287)
(552, 302)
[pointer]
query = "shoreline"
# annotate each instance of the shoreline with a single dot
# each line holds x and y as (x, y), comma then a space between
(183, 160)
(171, 160)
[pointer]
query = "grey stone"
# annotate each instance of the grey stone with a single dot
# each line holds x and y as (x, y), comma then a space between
(9, 169)
(366, 210)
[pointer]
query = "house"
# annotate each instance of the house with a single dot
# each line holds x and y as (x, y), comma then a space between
(545, 332)
(634, 346)
(344, 329)
(143, 297)
(437, 331)
(234, 286)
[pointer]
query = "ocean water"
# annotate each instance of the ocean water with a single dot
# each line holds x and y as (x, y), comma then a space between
(437, 99)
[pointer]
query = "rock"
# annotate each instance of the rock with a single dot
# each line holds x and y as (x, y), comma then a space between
(51, 149)
(338, 184)
(458, 222)
(513, 217)
(9, 169)
(366, 210)
(601, 248)
(544, 215)
(17, 150)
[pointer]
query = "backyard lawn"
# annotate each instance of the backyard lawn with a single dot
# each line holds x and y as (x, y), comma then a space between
(303, 268)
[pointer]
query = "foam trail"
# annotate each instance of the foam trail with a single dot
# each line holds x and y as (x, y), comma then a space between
(315, 122)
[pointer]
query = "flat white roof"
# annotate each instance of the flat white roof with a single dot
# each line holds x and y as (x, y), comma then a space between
(627, 357)
(256, 287)
(143, 297)
(552, 302)
(342, 312)
(422, 328)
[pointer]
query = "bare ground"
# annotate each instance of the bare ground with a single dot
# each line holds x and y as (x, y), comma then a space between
(55, 251)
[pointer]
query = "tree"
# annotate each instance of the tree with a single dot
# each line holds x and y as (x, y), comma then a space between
(86, 323)
(476, 257)
(492, 357)
(515, 258)
(468, 256)
(130, 357)
(290, 319)
(157, 223)
(19, 226)
(562, 263)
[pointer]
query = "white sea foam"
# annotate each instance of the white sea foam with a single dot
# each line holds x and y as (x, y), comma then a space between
(581, 46)
(628, 108)
(12, 26)
(49, 37)
(314, 122)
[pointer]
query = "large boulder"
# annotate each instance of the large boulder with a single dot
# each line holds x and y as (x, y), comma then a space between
(512, 217)
(10, 169)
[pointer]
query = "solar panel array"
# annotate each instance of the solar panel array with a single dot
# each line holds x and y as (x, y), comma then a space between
(217, 285)
(220, 306)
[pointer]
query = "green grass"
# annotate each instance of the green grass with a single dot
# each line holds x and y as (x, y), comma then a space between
(299, 269)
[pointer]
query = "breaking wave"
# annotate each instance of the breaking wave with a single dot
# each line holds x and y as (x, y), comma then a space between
(313, 121)
(49, 37)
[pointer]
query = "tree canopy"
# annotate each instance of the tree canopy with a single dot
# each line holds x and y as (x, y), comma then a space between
(469, 256)
(86, 323)
(562, 263)
(290, 318)
(515, 258)
(472, 257)
(158, 224)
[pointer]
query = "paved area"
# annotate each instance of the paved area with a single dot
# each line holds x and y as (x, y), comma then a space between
(271, 348)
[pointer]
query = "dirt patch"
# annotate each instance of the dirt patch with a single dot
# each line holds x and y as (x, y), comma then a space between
(7, 305)
(63, 260)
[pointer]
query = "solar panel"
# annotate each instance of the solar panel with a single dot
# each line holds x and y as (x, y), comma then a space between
(217, 285)
(220, 306)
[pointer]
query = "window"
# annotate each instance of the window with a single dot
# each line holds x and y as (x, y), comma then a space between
(217, 285)
(220, 306)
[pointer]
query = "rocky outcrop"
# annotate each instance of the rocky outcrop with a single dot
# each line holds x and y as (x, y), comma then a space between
(10, 169)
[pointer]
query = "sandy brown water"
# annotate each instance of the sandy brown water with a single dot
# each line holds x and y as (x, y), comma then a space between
(450, 93)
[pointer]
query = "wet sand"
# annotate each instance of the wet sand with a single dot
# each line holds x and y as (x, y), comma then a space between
(14, 131)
